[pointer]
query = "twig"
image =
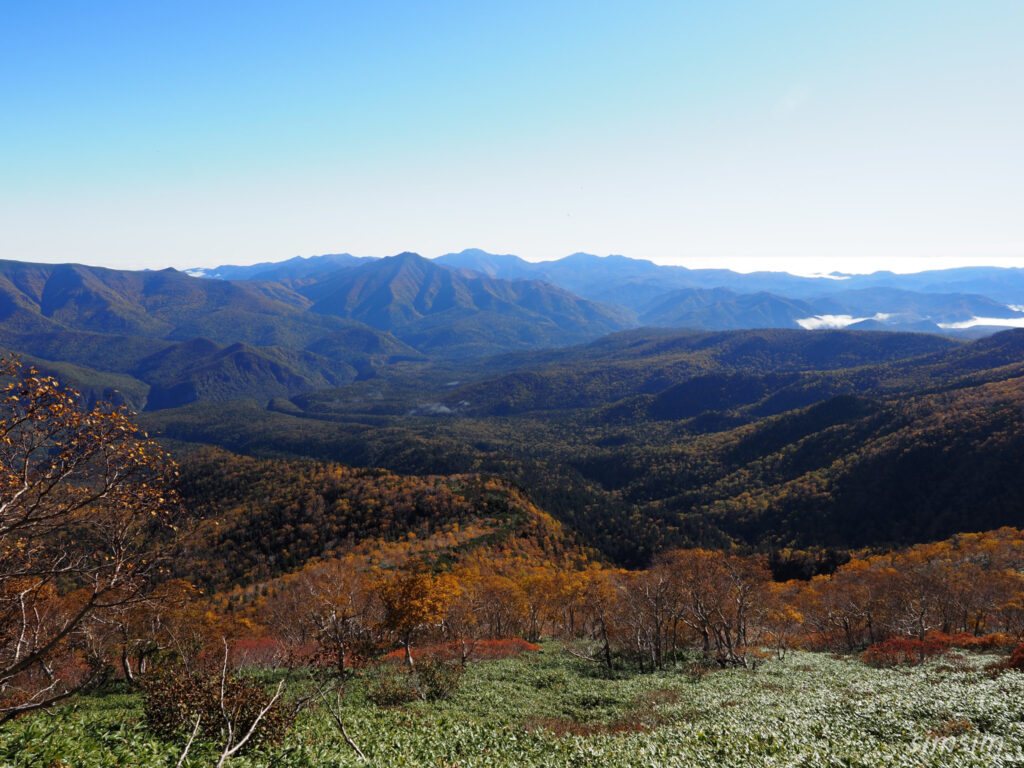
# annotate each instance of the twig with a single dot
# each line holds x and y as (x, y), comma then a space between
(336, 715)
(229, 751)
(195, 731)
(591, 659)
(229, 748)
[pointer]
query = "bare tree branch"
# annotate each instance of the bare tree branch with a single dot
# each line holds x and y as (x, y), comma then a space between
(188, 746)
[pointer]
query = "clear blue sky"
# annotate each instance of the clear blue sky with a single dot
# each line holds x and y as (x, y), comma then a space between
(781, 135)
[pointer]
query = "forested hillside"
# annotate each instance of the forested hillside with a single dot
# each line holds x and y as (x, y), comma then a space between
(655, 506)
(254, 519)
(644, 440)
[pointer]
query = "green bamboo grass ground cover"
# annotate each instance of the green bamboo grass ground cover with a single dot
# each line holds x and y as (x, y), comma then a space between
(552, 711)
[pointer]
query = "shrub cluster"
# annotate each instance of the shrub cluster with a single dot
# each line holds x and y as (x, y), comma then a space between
(991, 642)
(898, 651)
(439, 679)
(390, 687)
(174, 699)
(1014, 661)
(432, 680)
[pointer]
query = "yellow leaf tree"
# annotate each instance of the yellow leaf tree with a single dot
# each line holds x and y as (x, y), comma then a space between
(414, 601)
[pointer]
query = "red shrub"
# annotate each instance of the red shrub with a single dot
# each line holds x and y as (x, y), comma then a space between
(967, 641)
(503, 649)
(896, 651)
(251, 651)
(258, 652)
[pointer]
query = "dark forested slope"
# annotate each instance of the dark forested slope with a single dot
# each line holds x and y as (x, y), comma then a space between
(646, 440)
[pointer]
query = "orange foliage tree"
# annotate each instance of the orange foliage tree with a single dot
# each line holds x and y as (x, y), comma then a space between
(333, 604)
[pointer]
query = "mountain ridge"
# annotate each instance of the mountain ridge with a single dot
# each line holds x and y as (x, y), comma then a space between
(412, 296)
(937, 301)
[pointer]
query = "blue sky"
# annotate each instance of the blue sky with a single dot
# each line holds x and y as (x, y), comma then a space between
(806, 136)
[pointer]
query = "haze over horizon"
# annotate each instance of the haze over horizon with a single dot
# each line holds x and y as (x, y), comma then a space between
(804, 137)
(804, 268)
(863, 266)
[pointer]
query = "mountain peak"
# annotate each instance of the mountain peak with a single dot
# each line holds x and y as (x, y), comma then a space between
(503, 265)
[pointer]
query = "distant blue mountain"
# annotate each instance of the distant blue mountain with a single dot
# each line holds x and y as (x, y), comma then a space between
(297, 268)
(438, 309)
(966, 301)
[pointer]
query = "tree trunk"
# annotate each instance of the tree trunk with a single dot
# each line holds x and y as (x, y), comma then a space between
(126, 665)
(408, 655)
(607, 646)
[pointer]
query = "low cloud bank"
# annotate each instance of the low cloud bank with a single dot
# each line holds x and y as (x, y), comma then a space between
(818, 322)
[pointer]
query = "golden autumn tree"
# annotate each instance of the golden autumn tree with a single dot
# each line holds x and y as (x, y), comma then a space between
(414, 601)
(81, 505)
(716, 595)
(783, 624)
(463, 623)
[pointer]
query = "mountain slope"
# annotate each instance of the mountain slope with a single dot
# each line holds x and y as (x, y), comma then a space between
(646, 362)
(295, 270)
(892, 472)
(194, 371)
(260, 518)
(720, 309)
(505, 266)
(435, 308)
(166, 304)
(168, 331)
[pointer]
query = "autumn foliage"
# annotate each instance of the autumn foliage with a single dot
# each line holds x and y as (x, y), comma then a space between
(899, 608)
(84, 515)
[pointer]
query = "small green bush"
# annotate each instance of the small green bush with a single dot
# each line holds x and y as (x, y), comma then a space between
(439, 679)
(390, 687)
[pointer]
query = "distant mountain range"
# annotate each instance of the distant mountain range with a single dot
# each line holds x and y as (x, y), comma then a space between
(170, 338)
(943, 301)
(960, 302)
(269, 331)
(590, 275)
(167, 338)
